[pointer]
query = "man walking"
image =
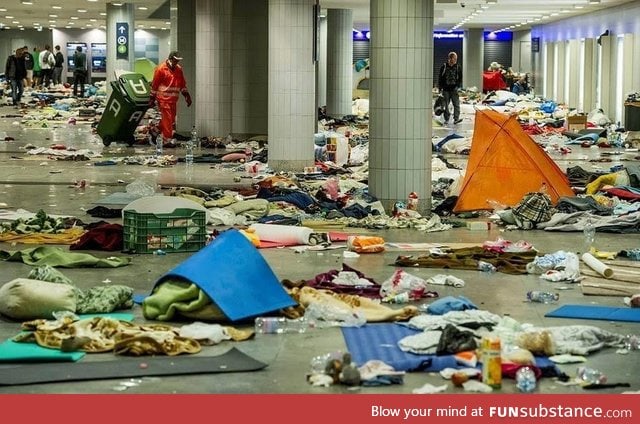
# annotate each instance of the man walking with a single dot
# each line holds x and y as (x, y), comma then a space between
(449, 81)
(46, 65)
(167, 85)
(15, 72)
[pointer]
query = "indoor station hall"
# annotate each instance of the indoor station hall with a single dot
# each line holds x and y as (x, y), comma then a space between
(320, 197)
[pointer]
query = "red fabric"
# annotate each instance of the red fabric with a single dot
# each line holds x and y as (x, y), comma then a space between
(493, 80)
(103, 237)
(623, 194)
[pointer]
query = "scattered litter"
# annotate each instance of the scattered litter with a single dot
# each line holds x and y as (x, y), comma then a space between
(429, 389)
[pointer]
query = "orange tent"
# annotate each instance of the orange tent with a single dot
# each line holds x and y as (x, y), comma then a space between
(505, 164)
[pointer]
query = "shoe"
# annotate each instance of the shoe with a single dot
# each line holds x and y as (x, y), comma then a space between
(457, 121)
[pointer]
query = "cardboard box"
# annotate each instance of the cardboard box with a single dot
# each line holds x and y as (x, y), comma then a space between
(576, 123)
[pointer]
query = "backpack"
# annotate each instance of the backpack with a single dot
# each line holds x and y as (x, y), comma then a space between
(47, 58)
(451, 75)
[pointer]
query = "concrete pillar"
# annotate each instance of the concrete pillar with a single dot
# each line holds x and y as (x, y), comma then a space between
(473, 58)
(292, 112)
(213, 65)
(321, 68)
(117, 15)
(590, 75)
(183, 39)
(400, 101)
(339, 61)
(250, 61)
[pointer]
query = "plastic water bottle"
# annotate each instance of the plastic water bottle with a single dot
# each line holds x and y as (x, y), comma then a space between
(159, 146)
(542, 297)
(188, 157)
(591, 376)
(589, 232)
(280, 325)
(196, 140)
(526, 380)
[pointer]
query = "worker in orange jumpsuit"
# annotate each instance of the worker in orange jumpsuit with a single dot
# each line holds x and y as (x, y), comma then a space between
(167, 85)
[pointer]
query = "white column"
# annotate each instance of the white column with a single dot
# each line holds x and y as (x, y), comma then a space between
(561, 71)
(292, 112)
(115, 16)
(400, 101)
(590, 75)
(213, 64)
(607, 75)
(183, 39)
(249, 56)
(472, 58)
(339, 61)
(321, 70)
(573, 70)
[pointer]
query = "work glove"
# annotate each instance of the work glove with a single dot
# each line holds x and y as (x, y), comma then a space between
(152, 102)
(187, 98)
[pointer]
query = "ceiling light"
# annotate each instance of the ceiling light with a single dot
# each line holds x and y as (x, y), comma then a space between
(578, 6)
(117, 4)
(93, 1)
(492, 1)
(594, 1)
(9, 17)
(82, 10)
(142, 8)
(103, 13)
(73, 17)
(26, 2)
(56, 7)
(53, 16)
(15, 22)
(93, 19)
(3, 9)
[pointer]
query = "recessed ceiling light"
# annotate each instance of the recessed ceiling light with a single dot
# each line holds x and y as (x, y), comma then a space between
(9, 17)
(26, 2)
(93, 19)
(92, 1)
(56, 7)
(53, 16)
(67, 27)
(89, 25)
(82, 10)
(117, 4)
(103, 13)
(52, 21)
(15, 22)
(3, 9)
(73, 17)
(142, 8)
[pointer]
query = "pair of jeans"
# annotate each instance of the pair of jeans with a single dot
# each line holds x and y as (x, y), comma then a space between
(79, 78)
(57, 75)
(451, 96)
(16, 91)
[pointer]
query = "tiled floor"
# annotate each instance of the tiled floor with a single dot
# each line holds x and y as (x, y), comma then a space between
(35, 182)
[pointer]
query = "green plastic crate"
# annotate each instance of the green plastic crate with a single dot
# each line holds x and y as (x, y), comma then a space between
(183, 230)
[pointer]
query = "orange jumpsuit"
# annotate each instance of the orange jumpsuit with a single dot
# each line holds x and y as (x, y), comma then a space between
(166, 87)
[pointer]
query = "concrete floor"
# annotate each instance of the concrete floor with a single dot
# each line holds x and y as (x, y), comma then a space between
(29, 183)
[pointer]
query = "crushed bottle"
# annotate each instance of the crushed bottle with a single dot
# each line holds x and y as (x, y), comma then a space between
(591, 375)
(280, 325)
(525, 380)
(536, 296)
(486, 267)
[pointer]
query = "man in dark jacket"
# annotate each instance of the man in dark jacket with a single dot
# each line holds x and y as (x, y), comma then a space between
(15, 72)
(449, 81)
(57, 67)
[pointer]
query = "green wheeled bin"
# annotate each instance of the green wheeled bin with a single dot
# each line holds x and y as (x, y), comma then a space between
(127, 104)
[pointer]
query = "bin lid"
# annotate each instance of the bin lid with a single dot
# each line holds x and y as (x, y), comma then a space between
(136, 87)
(161, 204)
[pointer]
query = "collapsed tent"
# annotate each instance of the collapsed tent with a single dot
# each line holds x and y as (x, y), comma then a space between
(505, 164)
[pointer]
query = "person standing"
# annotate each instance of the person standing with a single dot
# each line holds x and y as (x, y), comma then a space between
(79, 71)
(15, 72)
(46, 65)
(57, 67)
(449, 81)
(167, 85)
(28, 63)
(36, 68)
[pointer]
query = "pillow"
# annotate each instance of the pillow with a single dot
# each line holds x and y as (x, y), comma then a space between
(25, 299)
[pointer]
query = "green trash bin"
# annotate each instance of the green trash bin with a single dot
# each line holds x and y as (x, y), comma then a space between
(127, 104)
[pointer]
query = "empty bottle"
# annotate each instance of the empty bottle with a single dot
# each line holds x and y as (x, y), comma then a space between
(196, 140)
(542, 297)
(526, 380)
(159, 146)
(188, 156)
(279, 325)
(589, 232)
(591, 376)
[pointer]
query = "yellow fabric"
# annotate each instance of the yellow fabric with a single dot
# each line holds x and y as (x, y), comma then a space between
(600, 254)
(68, 236)
(614, 179)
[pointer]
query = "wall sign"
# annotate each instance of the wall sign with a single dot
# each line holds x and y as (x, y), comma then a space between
(122, 40)
(535, 44)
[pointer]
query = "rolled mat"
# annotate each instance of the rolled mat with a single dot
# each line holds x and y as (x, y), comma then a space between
(288, 235)
(607, 313)
(235, 276)
(596, 265)
(231, 361)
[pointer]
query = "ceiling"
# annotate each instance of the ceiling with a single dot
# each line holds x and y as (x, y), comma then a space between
(449, 14)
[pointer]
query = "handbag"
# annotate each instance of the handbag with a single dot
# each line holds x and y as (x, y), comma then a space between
(438, 105)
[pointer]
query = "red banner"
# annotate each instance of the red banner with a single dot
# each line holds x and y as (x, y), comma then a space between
(325, 409)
